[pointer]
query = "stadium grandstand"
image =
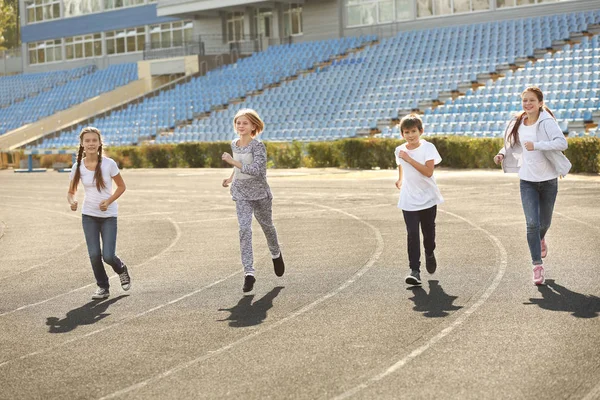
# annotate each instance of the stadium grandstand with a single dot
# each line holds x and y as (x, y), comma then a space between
(176, 71)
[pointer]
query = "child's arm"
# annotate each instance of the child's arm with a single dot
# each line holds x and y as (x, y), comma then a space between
(426, 169)
(71, 196)
(227, 181)
(258, 165)
(399, 181)
(118, 192)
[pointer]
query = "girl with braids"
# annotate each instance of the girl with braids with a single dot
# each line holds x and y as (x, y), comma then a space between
(99, 213)
(251, 192)
(533, 145)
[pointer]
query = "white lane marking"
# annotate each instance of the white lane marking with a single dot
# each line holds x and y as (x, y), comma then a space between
(177, 229)
(446, 331)
(577, 220)
(594, 394)
(366, 267)
(121, 322)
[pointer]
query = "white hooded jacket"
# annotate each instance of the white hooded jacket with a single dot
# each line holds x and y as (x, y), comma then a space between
(550, 140)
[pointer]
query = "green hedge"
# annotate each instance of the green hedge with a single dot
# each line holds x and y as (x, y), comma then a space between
(368, 153)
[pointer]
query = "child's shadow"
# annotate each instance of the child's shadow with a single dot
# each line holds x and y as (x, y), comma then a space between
(434, 304)
(246, 313)
(558, 298)
(87, 314)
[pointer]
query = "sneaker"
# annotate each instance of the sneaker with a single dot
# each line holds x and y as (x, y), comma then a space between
(125, 278)
(538, 275)
(544, 248)
(430, 263)
(248, 283)
(278, 265)
(414, 278)
(100, 294)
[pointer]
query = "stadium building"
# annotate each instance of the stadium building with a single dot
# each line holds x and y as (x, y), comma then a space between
(170, 71)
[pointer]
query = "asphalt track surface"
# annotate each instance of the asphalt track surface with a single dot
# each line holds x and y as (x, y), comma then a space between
(341, 323)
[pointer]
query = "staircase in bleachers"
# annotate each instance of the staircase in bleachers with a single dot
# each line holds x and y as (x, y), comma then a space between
(79, 87)
(570, 80)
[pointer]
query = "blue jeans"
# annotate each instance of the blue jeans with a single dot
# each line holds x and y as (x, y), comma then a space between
(538, 204)
(95, 228)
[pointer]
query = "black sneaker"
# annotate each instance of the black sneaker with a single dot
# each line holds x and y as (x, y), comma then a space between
(125, 278)
(414, 278)
(248, 283)
(279, 265)
(430, 263)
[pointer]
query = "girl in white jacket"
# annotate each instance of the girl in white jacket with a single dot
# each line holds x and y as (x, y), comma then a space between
(533, 146)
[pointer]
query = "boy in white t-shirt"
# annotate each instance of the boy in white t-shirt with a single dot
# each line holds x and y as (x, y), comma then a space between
(419, 194)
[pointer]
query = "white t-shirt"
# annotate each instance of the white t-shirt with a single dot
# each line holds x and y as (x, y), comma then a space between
(93, 198)
(535, 167)
(418, 192)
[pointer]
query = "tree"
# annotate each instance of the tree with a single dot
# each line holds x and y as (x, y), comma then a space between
(9, 18)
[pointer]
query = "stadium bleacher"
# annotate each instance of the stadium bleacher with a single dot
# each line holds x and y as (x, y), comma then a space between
(358, 92)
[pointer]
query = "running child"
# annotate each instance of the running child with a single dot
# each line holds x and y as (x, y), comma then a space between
(99, 212)
(251, 192)
(419, 194)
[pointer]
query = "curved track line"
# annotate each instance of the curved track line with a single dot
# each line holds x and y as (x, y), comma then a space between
(446, 331)
(121, 322)
(177, 229)
(578, 220)
(366, 267)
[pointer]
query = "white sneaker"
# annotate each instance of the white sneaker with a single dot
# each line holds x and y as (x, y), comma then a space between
(100, 294)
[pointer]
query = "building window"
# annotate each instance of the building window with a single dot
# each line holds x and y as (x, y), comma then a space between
(264, 22)
(42, 10)
(126, 40)
(235, 26)
(292, 20)
(171, 34)
(112, 4)
(371, 12)
(87, 46)
(73, 8)
(45, 52)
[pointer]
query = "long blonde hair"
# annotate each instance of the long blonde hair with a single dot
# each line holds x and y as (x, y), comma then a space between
(513, 136)
(254, 120)
(98, 172)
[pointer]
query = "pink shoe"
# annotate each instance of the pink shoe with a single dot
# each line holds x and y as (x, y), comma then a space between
(544, 248)
(538, 275)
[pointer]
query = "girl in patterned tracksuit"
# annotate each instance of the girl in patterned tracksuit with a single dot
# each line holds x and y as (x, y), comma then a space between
(251, 192)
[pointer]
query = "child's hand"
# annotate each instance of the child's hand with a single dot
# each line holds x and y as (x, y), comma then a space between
(399, 183)
(404, 155)
(104, 205)
(529, 146)
(498, 158)
(226, 182)
(74, 205)
(227, 158)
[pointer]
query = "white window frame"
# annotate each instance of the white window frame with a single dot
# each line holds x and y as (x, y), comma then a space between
(293, 11)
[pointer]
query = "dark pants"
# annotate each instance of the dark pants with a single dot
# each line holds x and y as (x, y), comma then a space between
(412, 219)
(95, 228)
(538, 204)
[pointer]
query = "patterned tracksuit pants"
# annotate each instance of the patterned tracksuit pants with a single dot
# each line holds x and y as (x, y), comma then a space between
(263, 213)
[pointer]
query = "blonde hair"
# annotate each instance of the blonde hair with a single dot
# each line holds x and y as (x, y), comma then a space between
(254, 119)
(98, 172)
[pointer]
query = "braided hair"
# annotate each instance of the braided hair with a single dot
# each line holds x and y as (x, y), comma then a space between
(513, 136)
(98, 172)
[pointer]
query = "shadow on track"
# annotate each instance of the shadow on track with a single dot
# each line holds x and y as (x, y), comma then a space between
(87, 314)
(434, 304)
(246, 313)
(558, 298)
